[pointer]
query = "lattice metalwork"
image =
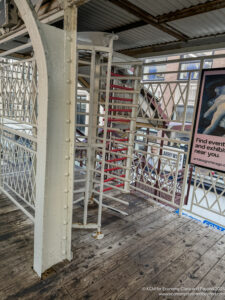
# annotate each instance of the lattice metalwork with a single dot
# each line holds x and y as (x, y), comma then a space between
(18, 109)
(18, 164)
(207, 198)
(162, 136)
(19, 91)
(159, 100)
(155, 173)
(211, 196)
(160, 165)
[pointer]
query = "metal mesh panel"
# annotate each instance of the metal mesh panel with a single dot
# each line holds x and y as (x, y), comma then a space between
(19, 91)
(18, 109)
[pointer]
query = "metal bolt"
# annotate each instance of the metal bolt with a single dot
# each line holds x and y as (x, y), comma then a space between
(66, 174)
(68, 81)
(65, 206)
(66, 191)
(67, 140)
(67, 157)
(68, 121)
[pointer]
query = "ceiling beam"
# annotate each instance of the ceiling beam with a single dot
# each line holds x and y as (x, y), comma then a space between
(127, 27)
(173, 16)
(148, 18)
(197, 44)
(191, 11)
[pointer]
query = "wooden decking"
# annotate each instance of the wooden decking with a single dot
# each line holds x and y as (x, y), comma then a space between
(150, 248)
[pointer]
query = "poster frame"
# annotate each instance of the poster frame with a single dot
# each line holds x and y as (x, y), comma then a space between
(195, 121)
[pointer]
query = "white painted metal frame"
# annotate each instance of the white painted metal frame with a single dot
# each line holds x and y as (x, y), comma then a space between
(88, 143)
(55, 150)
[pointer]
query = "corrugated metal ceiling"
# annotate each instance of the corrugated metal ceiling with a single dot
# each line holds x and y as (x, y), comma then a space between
(141, 36)
(159, 7)
(102, 15)
(201, 25)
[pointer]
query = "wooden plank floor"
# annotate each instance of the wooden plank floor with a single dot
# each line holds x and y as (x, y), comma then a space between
(140, 253)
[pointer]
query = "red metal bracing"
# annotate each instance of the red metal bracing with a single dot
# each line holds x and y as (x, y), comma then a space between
(118, 120)
(121, 140)
(117, 133)
(121, 87)
(119, 149)
(110, 188)
(112, 169)
(113, 178)
(116, 75)
(120, 109)
(121, 99)
(116, 159)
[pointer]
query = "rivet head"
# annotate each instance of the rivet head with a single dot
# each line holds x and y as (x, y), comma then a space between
(66, 191)
(68, 81)
(66, 174)
(67, 140)
(65, 206)
(68, 102)
(67, 157)
(68, 121)
(64, 252)
(69, 60)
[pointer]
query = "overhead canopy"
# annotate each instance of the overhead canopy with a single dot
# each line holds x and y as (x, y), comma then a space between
(154, 27)
(145, 27)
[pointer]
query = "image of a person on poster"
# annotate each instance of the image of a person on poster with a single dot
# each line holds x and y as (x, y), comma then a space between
(212, 118)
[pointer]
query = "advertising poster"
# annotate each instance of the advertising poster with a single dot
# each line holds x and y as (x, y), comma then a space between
(208, 139)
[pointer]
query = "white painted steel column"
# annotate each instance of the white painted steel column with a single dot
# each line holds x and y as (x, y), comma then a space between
(53, 212)
(70, 89)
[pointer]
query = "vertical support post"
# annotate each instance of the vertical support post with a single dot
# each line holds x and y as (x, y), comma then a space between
(186, 165)
(189, 185)
(70, 80)
(92, 128)
(159, 162)
(175, 178)
(132, 131)
(108, 77)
